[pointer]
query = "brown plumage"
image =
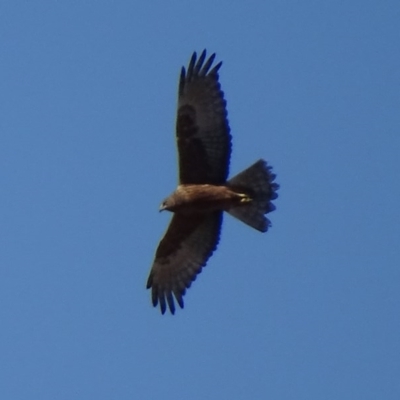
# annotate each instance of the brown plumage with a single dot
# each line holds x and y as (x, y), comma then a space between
(203, 194)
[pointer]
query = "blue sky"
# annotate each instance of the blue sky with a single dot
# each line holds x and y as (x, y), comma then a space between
(309, 310)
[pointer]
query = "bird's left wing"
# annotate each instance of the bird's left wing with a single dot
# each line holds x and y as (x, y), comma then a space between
(184, 250)
(202, 129)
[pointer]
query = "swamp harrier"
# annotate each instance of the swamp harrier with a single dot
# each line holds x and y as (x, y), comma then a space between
(204, 193)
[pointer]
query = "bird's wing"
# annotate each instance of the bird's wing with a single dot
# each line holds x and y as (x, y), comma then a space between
(202, 129)
(187, 245)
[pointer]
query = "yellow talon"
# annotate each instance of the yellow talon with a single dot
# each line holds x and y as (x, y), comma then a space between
(244, 198)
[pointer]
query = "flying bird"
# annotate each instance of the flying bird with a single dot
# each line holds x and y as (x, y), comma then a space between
(204, 193)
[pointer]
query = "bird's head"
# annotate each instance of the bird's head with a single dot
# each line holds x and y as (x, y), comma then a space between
(167, 204)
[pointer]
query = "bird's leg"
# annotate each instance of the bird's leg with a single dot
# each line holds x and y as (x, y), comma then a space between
(244, 198)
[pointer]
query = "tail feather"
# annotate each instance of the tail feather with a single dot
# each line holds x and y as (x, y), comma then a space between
(257, 182)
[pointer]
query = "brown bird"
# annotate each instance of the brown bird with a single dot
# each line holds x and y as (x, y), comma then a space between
(204, 147)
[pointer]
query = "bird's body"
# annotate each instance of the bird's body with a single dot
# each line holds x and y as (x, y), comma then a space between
(204, 198)
(204, 192)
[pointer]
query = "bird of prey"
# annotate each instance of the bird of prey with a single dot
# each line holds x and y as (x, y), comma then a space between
(204, 193)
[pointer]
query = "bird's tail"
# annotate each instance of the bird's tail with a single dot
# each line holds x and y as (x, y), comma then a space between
(257, 185)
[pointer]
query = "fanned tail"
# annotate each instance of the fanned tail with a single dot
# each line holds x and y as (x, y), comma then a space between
(257, 183)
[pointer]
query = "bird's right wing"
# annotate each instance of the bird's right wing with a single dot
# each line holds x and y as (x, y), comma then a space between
(184, 250)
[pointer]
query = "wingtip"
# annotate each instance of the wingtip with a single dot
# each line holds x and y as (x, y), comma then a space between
(171, 304)
(216, 68)
(163, 306)
(192, 63)
(180, 301)
(202, 57)
(197, 66)
(167, 300)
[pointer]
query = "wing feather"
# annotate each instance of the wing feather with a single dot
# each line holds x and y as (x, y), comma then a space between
(182, 253)
(202, 128)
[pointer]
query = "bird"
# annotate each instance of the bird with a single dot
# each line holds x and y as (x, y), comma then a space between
(204, 192)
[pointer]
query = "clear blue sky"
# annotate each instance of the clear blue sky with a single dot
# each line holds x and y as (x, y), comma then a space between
(309, 310)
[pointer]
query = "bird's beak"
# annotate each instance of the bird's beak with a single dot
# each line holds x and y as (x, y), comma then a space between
(162, 208)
